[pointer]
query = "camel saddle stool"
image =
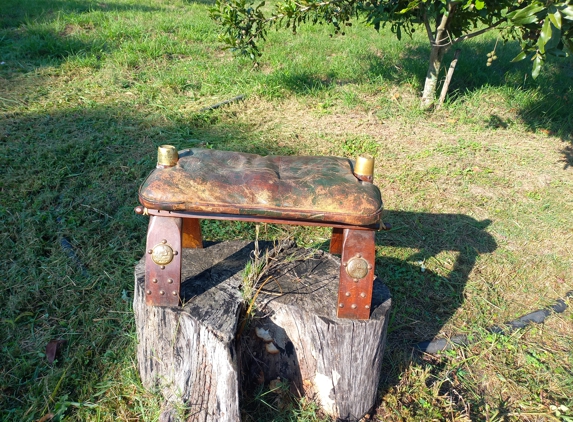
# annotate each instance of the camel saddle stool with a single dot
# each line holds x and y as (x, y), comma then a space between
(196, 184)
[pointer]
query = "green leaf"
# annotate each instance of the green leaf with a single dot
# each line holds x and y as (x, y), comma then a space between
(525, 20)
(554, 16)
(566, 11)
(519, 57)
(528, 11)
(480, 4)
(537, 63)
(544, 35)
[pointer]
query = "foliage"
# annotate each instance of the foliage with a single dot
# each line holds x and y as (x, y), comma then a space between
(541, 27)
(544, 29)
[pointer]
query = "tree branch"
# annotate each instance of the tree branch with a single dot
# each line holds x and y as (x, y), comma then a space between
(475, 34)
(428, 27)
(442, 27)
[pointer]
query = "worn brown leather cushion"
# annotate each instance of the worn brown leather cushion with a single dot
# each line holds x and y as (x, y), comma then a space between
(289, 187)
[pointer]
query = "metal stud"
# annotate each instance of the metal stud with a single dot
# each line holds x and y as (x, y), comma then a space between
(341, 305)
(369, 266)
(175, 253)
(164, 241)
(161, 292)
(355, 280)
(347, 294)
(170, 280)
(362, 294)
(148, 292)
(154, 280)
(150, 251)
(353, 306)
(367, 306)
(174, 293)
(162, 267)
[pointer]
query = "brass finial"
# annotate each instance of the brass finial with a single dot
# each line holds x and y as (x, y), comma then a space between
(364, 168)
(167, 156)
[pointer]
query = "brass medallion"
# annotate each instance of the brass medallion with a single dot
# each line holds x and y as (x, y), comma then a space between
(357, 268)
(162, 254)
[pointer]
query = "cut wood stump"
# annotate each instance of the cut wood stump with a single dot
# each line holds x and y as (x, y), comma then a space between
(201, 356)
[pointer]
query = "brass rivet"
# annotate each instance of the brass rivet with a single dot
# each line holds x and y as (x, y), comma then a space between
(164, 241)
(341, 305)
(345, 264)
(174, 293)
(150, 251)
(353, 306)
(362, 294)
(367, 306)
(170, 280)
(162, 267)
(355, 280)
(358, 255)
(369, 266)
(347, 294)
(154, 280)
(175, 253)
(148, 292)
(161, 292)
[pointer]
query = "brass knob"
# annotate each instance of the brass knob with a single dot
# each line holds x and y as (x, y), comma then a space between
(167, 156)
(364, 165)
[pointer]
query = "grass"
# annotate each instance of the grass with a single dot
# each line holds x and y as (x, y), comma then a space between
(478, 193)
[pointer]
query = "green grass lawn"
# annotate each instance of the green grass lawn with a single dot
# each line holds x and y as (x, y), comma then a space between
(480, 196)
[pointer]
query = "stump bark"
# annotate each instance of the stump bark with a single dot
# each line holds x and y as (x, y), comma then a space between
(195, 357)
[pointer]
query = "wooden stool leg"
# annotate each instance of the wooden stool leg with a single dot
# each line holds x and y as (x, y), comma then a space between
(192, 237)
(336, 241)
(356, 274)
(163, 261)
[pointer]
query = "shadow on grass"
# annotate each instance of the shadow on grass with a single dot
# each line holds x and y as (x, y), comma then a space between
(26, 41)
(74, 175)
(542, 105)
(423, 301)
(14, 13)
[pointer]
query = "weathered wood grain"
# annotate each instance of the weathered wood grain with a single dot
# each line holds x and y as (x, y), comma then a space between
(191, 354)
(336, 361)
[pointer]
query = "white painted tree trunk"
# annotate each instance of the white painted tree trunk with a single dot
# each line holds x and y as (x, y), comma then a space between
(431, 82)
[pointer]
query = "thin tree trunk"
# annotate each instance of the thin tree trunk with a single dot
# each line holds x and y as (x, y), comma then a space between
(448, 78)
(440, 44)
(431, 84)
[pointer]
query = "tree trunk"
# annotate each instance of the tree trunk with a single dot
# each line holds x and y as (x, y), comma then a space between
(431, 83)
(191, 354)
(188, 353)
(335, 361)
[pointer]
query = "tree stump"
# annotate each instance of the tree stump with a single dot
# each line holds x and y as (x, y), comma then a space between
(296, 336)
(190, 353)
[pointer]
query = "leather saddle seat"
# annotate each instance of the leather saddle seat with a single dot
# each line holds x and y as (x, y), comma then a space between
(322, 189)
